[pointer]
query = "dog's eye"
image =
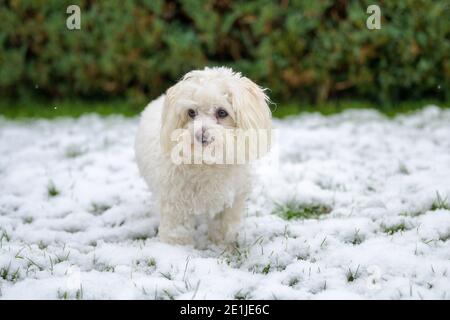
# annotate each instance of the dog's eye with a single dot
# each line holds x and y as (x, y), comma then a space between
(192, 113)
(221, 113)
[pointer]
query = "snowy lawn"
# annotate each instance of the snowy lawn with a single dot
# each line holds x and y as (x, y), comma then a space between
(357, 208)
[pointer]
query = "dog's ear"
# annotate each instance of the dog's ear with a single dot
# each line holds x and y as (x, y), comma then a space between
(170, 120)
(253, 115)
(251, 105)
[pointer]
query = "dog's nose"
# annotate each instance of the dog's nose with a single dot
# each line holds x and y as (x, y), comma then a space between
(202, 136)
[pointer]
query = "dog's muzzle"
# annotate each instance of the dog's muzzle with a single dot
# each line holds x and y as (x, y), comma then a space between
(203, 137)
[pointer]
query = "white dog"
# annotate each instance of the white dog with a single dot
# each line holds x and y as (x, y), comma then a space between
(207, 107)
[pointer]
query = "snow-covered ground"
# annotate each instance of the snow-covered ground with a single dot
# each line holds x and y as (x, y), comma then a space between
(76, 220)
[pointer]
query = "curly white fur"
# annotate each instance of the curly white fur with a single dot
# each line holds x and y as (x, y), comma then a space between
(214, 192)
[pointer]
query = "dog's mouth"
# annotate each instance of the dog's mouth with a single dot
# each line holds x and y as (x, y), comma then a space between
(204, 137)
(206, 141)
(217, 147)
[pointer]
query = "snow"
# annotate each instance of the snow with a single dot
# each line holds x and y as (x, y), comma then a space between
(96, 238)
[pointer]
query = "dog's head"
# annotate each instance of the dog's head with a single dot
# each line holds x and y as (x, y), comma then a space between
(208, 105)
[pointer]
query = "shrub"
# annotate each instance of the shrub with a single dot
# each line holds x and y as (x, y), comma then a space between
(308, 50)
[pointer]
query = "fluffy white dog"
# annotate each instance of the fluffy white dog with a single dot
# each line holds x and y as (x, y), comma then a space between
(203, 110)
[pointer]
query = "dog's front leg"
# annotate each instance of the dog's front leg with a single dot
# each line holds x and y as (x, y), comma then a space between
(175, 227)
(224, 227)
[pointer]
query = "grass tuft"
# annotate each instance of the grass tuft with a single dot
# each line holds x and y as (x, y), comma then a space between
(5, 236)
(98, 208)
(444, 237)
(168, 294)
(440, 203)
(140, 237)
(352, 275)
(242, 295)
(293, 282)
(356, 239)
(28, 220)
(149, 265)
(411, 213)
(294, 210)
(166, 275)
(235, 255)
(42, 245)
(151, 262)
(266, 269)
(62, 258)
(63, 295)
(7, 274)
(403, 169)
(51, 190)
(79, 293)
(390, 230)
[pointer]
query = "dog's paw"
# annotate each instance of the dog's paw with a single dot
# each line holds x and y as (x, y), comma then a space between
(176, 239)
(220, 236)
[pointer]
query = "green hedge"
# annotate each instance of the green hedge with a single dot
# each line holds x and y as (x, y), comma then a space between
(308, 50)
